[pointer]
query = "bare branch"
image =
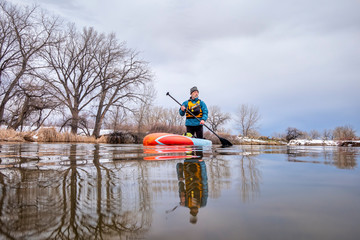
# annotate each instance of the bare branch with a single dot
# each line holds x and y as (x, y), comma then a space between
(217, 118)
(247, 119)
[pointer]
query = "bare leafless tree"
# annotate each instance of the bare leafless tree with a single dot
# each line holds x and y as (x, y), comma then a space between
(153, 117)
(25, 32)
(89, 69)
(117, 118)
(162, 119)
(164, 116)
(344, 133)
(122, 76)
(293, 133)
(158, 116)
(327, 134)
(173, 117)
(32, 105)
(144, 109)
(314, 134)
(217, 118)
(73, 78)
(247, 119)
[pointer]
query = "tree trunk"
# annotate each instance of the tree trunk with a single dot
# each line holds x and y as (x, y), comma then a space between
(99, 116)
(24, 110)
(97, 128)
(75, 121)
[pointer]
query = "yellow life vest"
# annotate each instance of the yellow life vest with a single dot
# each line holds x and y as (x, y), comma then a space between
(195, 109)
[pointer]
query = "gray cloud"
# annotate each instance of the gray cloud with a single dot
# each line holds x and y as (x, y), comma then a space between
(297, 60)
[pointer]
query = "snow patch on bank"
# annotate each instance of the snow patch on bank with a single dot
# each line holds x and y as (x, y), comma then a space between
(315, 142)
(305, 142)
(301, 142)
(246, 140)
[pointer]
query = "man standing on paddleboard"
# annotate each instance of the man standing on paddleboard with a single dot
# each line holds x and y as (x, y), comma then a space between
(198, 108)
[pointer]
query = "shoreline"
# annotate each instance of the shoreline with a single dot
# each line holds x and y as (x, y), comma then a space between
(51, 135)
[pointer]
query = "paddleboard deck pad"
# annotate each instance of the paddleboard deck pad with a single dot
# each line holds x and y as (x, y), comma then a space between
(173, 139)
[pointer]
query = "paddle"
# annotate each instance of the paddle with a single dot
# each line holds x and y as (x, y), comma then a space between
(224, 142)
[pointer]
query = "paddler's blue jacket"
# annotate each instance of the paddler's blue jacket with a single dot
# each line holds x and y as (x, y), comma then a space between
(194, 121)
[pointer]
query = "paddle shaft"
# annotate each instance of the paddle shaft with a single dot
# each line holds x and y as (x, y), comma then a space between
(187, 110)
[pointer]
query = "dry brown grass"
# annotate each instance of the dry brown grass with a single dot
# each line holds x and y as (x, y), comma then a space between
(10, 135)
(46, 135)
(51, 135)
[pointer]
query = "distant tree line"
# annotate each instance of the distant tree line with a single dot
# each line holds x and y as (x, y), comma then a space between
(338, 133)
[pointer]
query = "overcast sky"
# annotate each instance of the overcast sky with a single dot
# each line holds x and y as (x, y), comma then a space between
(297, 61)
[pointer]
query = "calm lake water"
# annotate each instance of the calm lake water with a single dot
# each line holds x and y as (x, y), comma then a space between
(103, 191)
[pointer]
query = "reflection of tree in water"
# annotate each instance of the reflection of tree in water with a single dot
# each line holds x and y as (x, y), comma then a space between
(341, 157)
(246, 168)
(345, 158)
(250, 177)
(24, 195)
(218, 171)
(75, 201)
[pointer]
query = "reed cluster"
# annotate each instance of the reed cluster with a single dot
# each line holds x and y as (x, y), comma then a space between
(10, 135)
(46, 135)
(52, 135)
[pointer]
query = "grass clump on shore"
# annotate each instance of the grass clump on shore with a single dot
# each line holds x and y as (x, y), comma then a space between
(46, 135)
(51, 135)
(10, 135)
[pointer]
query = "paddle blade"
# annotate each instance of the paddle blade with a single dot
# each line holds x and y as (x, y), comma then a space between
(225, 142)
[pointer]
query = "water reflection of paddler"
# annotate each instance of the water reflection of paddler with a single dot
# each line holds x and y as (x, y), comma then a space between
(193, 186)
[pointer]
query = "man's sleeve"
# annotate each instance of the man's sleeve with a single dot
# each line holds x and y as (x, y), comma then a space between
(182, 113)
(204, 110)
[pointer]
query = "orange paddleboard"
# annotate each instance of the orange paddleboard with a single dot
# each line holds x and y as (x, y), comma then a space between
(173, 139)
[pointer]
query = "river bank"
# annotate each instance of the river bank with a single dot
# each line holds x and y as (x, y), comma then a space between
(50, 134)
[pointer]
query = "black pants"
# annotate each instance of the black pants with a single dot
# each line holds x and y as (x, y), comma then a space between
(195, 130)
